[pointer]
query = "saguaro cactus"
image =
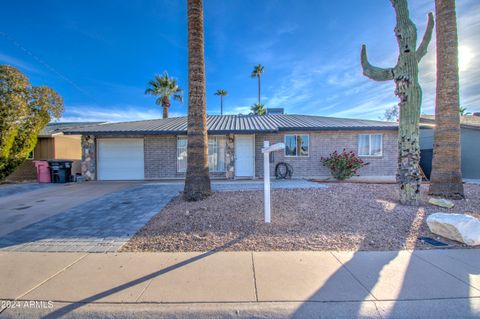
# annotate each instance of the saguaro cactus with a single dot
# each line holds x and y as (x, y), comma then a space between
(408, 90)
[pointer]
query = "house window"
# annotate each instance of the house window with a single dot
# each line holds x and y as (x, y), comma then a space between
(182, 154)
(296, 145)
(216, 154)
(370, 145)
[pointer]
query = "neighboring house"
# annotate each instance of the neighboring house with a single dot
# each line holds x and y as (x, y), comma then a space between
(53, 144)
(157, 149)
(470, 144)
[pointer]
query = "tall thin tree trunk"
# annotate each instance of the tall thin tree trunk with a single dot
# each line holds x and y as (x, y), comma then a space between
(197, 181)
(408, 90)
(258, 76)
(446, 176)
(165, 106)
(221, 104)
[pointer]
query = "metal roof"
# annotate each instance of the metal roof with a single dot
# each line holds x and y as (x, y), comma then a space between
(57, 128)
(246, 124)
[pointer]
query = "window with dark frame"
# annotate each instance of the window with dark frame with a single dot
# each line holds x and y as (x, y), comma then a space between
(297, 145)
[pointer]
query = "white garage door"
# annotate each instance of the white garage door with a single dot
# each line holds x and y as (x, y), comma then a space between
(120, 159)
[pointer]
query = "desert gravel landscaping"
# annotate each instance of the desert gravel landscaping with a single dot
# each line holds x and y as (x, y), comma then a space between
(344, 216)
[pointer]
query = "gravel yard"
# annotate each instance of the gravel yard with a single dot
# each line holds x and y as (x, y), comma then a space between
(344, 216)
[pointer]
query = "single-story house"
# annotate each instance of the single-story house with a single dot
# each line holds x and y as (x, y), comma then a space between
(52, 144)
(157, 149)
(469, 143)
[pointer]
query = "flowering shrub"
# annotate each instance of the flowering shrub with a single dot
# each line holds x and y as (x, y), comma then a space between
(343, 165)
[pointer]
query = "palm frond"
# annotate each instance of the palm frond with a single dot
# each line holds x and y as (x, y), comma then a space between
(258, 109)
(221, 92)
(178, 98)
(257, 70)
(164, 86)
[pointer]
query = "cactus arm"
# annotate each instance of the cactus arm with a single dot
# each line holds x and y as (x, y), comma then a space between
(422, 48)
(373, 72)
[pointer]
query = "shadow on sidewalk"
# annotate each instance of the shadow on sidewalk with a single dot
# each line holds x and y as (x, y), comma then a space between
(406, 307)
(71, 307)
(462, 306)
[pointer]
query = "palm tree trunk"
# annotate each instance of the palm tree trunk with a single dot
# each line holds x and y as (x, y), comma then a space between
(446, 176)
(221, 105)
(197, 181)
(258, 88)
(165, 106)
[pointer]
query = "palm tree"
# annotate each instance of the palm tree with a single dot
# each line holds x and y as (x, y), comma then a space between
(446, 176)
(462, 110)
(258, 109)
(221, 93)
(165, 88)
(197, 181)
(256, 73)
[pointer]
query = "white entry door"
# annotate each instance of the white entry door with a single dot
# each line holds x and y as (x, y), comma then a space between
(120, 159)
(244, 155)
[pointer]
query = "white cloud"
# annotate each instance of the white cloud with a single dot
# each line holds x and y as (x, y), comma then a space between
(468, 12)
(119, 113)
(344, 79)
(240, 109)
(373, 100)
(319, 83)
(7, 59)
(368, 109)
(263, 48)
(295, 88)
(368, 99)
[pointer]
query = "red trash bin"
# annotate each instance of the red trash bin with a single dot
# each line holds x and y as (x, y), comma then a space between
(43, 171)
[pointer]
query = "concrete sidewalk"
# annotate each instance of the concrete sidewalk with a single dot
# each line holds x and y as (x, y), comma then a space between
(435, 283)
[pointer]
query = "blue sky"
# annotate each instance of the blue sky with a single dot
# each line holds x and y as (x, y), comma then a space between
(99, 55)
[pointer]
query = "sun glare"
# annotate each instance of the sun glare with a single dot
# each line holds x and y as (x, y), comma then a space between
(465, 56)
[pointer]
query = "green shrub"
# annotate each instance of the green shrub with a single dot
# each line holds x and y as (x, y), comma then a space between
(343, 165)
(24, 111)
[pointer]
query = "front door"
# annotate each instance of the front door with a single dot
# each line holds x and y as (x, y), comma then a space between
(244, 155)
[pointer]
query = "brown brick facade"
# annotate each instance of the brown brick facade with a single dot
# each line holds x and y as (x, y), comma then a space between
(321, 145)
(161, 157)
(160, 153)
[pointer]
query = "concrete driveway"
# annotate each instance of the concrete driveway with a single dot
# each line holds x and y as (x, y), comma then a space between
(25, 204)
(93, 216)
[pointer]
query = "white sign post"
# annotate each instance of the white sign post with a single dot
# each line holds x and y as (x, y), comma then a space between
(266, 150)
